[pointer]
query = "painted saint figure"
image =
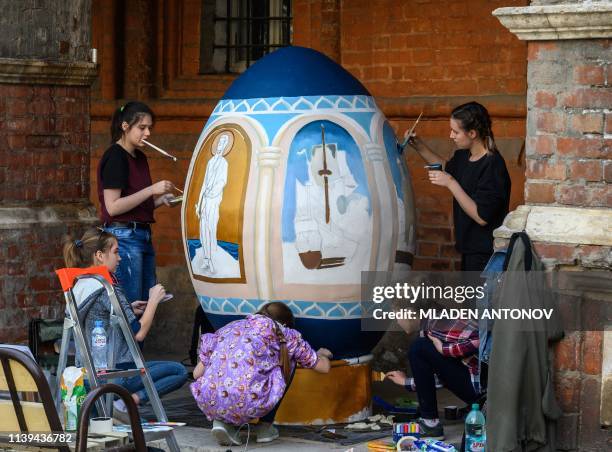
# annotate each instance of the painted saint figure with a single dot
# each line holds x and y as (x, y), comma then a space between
(211, 195)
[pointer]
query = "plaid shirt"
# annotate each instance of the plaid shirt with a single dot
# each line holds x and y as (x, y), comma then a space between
(459, 339)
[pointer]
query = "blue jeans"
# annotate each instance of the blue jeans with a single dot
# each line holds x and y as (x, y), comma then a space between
(136, 271)
(167, 376)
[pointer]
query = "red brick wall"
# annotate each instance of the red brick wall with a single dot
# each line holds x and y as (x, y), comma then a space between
(412, 56)
(43, 144)
(44, 162)
(568, 158)
(431, 48)
(568, 164)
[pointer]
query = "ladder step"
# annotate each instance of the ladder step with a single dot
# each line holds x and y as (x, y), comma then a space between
(155, 435)
(119, 373)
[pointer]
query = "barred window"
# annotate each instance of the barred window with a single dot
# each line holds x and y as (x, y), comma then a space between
(236, 33)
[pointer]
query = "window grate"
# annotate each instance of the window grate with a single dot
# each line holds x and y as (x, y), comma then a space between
(236, 33)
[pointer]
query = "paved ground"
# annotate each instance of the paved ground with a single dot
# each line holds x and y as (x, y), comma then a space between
(200, 439)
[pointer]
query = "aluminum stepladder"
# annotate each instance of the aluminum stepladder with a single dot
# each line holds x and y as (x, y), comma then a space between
(118, 325)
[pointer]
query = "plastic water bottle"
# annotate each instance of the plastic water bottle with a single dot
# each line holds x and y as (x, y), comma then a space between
(475, 432)
(98, 346)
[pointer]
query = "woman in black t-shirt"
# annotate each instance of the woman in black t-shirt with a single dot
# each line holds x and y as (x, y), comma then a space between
(477, 177)
(128, 198)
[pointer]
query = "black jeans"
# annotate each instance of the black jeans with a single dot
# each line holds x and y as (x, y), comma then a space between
(426, 361)
(270, 416)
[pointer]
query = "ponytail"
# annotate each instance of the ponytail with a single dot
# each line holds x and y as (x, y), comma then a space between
(80, 252)
(474, 116)
(132, 113)
(280, 313)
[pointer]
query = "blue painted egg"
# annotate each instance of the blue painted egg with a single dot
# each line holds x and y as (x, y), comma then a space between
(295, 187)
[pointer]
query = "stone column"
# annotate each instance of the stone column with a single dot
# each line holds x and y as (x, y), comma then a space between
(45, 75)
(268, 160)
(386, 198)
(568, 211)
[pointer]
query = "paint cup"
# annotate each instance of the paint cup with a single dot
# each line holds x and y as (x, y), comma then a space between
(176, 200)
(100, 425)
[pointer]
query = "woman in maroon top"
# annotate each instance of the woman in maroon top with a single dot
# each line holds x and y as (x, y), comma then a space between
(128, 197)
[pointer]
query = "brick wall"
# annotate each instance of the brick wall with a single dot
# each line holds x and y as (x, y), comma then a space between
(568, 157)
(570, 145)
(432, 48)
(44, 143)
(44, 184)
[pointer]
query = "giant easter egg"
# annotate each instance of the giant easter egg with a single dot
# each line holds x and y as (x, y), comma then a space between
(295, 187)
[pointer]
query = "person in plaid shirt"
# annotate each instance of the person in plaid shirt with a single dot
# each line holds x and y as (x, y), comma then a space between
(447, 349)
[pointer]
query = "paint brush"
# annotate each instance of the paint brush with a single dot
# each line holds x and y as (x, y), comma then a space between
(160, 150)
(409, 134)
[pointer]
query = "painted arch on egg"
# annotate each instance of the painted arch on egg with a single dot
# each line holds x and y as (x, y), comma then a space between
(325, 194)
(214, 220)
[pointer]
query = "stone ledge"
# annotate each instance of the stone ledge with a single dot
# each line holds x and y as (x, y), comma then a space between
(555, 22)
(28, 217)
(564, 225)
(42, 72)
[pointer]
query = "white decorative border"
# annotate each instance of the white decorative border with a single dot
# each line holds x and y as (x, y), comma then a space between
(296, 104)
(322, 310)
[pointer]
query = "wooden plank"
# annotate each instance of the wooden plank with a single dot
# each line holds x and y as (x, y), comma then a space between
(34, 414)
(23, 379)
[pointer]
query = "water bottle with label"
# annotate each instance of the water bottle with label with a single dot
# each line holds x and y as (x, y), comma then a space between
(475, 431)
(98, 346)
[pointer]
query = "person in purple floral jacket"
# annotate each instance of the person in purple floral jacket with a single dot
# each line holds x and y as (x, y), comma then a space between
(245, 369)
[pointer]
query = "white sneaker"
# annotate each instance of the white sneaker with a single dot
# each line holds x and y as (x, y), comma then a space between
(120, 412)
(266, 432)
(225, 434)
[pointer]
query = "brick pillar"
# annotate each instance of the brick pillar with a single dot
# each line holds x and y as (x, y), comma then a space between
(568, 209)
(44, 153)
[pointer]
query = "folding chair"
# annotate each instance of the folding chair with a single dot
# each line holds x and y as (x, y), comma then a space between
(137, 434)
(20, 373)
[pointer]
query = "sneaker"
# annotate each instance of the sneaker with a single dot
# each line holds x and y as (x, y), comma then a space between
(426, 431)
(266, 432)
(225, 434)
(121, 415)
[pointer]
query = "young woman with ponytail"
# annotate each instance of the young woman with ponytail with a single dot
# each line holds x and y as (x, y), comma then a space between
(128, 197)
(97, 247)
(246, 368)
(477, 177)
